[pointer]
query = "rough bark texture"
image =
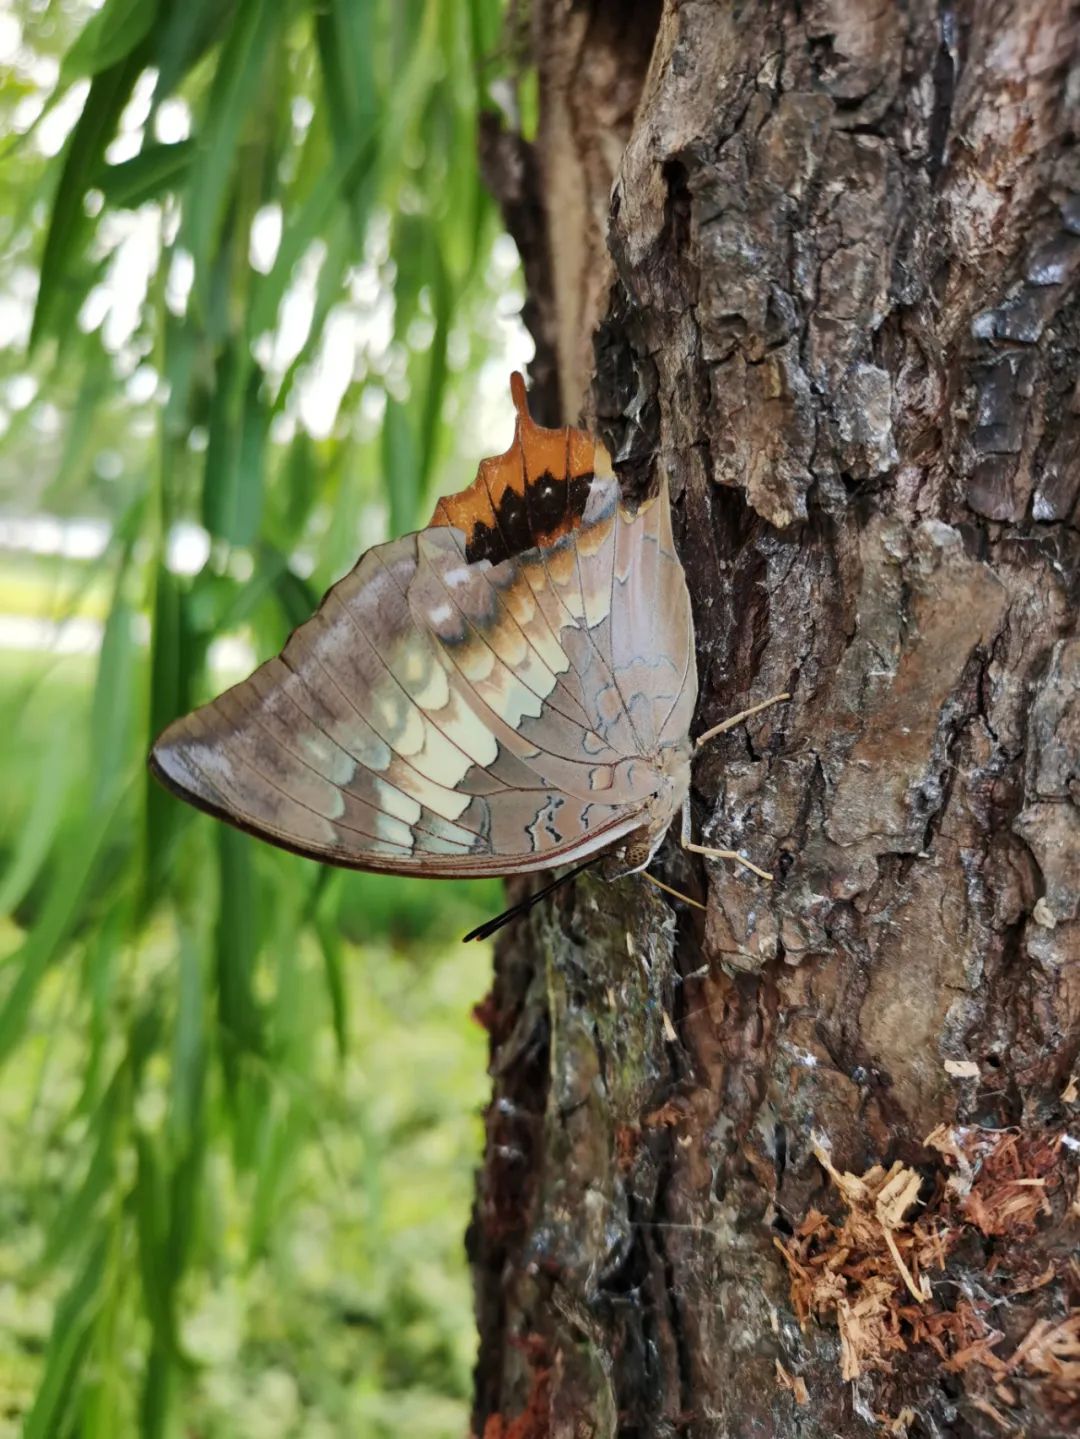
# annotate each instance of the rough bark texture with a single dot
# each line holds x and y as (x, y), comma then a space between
(833, 294)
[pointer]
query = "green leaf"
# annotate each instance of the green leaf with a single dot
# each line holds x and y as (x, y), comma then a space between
(37, 830)
(309, 223)
(297, 600)
(67, 1346)
(68, 224)
(238, 80)
(437, 371)
(233, 476)
(276, 1144)
(170, 659)
(345, 37)
(156, 1265)
(154, 171)
(154, 1408)
(236, 944)
(335, 266)
(184, 35)
(111, 717)
(76, 863)
(81, 1206)
(172, 675)
(98, 984)
(302, 476)
(189, 1047)
(77, 454)
(182, 346)
(401, 471)
(184, 1200)
(330, 941)
(109, 36)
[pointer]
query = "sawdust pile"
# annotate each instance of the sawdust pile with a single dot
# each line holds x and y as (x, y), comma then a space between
(871, 1272)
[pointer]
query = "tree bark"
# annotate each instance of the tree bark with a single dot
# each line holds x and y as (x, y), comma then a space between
(825, 257)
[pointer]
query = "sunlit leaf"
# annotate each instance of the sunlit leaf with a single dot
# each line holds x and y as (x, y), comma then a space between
(111, 716)
(110, 35)
(240, 69)
(68, 223)
(38, 828)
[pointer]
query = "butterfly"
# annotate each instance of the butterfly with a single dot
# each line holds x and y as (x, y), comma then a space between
(508, 690)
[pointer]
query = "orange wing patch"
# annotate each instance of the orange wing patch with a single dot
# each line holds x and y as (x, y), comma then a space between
(533, 494)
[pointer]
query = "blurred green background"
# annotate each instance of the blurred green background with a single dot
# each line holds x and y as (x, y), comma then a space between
(255, 310)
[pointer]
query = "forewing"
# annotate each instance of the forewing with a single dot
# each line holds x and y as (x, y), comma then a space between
(617, 587)
(652, 632)
(598, 590)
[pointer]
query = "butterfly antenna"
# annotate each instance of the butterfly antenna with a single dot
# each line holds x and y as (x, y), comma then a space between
(491, 926)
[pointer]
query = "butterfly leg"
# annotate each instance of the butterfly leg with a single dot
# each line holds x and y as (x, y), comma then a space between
(738, 719)
(709, 853)
(668, 890)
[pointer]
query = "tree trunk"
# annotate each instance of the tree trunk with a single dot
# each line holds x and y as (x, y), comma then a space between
(832, 294)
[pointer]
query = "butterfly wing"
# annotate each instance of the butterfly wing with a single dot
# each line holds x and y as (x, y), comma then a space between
(651, 631)
(615, 576)
(454, 709)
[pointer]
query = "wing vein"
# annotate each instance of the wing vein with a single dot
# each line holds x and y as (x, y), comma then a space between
(505, 609)
(544, 700)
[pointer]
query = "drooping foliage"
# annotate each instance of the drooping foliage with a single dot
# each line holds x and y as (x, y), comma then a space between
(252, 283)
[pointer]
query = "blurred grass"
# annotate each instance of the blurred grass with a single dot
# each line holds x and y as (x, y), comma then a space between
(356, 1312)
(41, 586)
(252, 282)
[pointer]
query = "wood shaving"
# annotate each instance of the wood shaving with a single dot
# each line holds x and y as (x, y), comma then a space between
(793, 1383)
(962, 1068)
(984, 1406)
(899, 1425)
(1052, 1349)
(863, 1270)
